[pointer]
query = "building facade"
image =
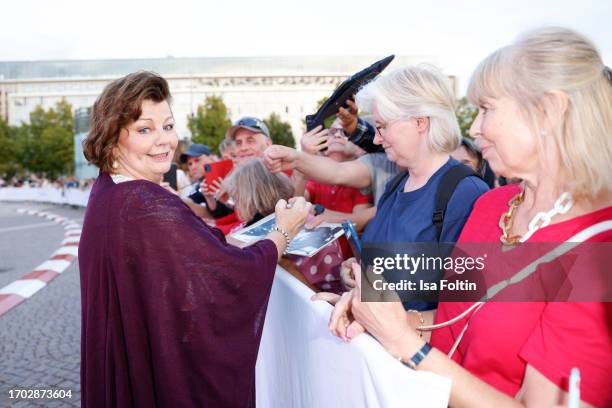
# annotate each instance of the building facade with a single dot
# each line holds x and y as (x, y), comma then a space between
(258, 86)
(289, 86)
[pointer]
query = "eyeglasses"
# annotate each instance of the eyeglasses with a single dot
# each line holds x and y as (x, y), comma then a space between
(337, 132)
(380, 129)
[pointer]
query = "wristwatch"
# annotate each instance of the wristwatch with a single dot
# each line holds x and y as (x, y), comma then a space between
(416, 359)
(318, 209)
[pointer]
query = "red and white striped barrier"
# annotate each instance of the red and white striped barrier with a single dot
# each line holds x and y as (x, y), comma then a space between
(24, 288)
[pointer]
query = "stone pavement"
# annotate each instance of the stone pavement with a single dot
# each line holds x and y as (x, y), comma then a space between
(40, 338)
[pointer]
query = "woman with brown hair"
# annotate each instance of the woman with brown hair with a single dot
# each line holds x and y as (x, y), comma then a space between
(172, 314)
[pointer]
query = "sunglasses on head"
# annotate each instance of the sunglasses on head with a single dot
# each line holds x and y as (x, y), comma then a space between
(250, 122)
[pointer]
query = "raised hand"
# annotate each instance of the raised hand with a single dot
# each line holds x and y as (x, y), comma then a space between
(316, 140)
(278, 158)
(348, 117)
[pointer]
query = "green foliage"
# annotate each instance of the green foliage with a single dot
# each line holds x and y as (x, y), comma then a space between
(209, 124)
(46, 144)
(327, 122)
(320, 102)
(44, 147)
(9, 165)
(280, 132)
(330, 119)
(466, 113)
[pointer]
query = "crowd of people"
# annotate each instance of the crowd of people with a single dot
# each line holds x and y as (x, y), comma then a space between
(173, 309)
(34, 181)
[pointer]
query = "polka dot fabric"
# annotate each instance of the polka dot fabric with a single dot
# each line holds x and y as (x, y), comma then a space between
(323, 269)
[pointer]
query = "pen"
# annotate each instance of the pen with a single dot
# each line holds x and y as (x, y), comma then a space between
(574, 388)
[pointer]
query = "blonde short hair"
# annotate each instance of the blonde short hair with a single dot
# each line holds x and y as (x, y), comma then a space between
(558, 59)
(256, 190)
(416, 91)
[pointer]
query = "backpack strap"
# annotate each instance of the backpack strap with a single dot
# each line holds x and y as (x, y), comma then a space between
(396, 180)
(393, 184)
(446, 188)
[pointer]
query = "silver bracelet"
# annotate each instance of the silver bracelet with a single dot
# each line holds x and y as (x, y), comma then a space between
(285, 234)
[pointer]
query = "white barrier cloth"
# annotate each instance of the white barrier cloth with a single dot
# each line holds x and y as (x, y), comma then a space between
(300, 363)
(71, 196)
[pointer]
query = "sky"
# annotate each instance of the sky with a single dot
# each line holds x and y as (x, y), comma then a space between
(458, 34)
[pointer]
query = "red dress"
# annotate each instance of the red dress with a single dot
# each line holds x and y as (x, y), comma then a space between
(504, 337)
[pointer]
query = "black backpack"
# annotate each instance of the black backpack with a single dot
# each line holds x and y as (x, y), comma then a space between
(447, 186)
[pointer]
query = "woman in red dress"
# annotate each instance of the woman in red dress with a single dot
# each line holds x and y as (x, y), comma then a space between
(545, 116)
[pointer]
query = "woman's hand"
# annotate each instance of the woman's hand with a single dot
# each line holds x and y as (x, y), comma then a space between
(346, 273)
(388, 322)
(341, 322)
(331, 298)
(292, 219)
(212, 191)
(348, 117)
(316, 140)
(279, 158)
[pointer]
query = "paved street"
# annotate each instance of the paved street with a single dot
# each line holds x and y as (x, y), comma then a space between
(40, 338)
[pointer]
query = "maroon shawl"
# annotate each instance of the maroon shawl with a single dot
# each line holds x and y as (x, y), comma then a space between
(172, 314)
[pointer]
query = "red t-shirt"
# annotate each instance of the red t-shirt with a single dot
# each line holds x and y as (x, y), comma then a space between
(503, 337)
(228, 223)
(336, 198)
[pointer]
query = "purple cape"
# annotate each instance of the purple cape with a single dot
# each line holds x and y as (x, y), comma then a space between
(172, 315)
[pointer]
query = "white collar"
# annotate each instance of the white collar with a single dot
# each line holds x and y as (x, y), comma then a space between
(120, 178)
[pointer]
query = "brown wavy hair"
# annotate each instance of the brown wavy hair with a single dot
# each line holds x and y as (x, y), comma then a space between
(119, 105)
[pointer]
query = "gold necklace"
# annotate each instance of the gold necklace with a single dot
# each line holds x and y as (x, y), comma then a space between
(507, 219)
(542, 219)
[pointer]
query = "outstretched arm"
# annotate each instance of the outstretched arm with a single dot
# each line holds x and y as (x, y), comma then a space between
(322, 169)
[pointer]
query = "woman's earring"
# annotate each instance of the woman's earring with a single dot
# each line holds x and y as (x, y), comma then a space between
(115, 164)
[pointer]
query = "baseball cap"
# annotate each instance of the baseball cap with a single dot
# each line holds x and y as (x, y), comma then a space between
(250, 123)
(195, 150)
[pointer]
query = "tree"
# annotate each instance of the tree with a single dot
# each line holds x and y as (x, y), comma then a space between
(8, 151)
(209, 124)
(280, 132)
(45, 146)
(466, 113)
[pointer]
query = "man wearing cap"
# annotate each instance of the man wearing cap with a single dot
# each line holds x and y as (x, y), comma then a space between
(196, 156)
(251, 138)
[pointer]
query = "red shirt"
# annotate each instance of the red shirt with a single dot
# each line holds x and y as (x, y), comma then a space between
(228, 223)
(503, 337)
(336, 198)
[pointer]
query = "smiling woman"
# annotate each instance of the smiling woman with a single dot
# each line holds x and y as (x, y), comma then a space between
(169, 316)
(146, 97)
(146, 147)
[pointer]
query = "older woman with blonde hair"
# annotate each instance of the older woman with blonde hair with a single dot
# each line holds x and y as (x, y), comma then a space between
(414, 116)
(545, 116)
(413, 110)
